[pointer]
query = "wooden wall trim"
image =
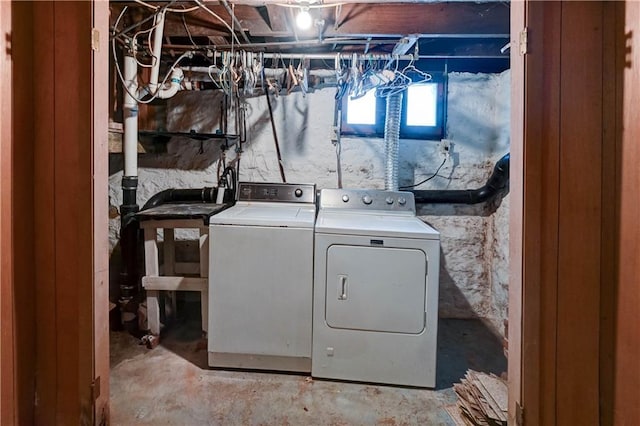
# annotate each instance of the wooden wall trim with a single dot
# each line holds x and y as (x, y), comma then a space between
(100, 208)
(64, 220)
(7, 359)
(626, 403)
(540, 192)
(562, 212)
(516, 183)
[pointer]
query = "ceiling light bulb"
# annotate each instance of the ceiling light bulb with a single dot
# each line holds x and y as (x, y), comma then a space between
(304, 19)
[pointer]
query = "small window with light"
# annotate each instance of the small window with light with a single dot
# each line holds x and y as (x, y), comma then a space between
(422, 112)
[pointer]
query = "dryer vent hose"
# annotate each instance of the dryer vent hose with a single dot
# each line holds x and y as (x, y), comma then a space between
(391, 141)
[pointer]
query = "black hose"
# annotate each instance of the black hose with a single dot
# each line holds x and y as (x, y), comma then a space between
(496, 184)
(228, 179)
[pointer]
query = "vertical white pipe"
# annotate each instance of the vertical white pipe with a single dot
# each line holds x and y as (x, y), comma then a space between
(130, 142)
(157, 51)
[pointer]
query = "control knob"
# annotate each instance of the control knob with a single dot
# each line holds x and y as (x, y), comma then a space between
(298, 192)
(367, 199)
(389, 200)
(345, 198)
(402, 201)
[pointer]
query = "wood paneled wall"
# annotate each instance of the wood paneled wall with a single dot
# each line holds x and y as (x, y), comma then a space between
(7, 357)
(17, 212)
(71, 255)
(53, 218)
(580, 232)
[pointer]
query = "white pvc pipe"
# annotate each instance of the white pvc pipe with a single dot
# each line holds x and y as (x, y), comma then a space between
(130, 141)
(176, 77)
(158, 32)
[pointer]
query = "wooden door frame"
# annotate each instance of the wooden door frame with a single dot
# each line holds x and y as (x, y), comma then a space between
(567, 165)
(100, 207)
(516, 184)
(54, 181)
(620, 346)
(8, 403)
(542, 254)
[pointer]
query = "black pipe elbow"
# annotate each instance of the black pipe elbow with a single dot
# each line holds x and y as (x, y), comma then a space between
(497, 182)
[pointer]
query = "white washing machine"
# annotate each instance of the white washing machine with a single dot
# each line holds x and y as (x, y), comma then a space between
(375, 289)
(261, 279)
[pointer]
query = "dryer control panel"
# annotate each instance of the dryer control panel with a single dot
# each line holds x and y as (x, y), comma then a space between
(277, 192)
(368, 199)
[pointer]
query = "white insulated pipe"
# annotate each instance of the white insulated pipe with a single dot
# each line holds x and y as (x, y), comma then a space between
(130, 141)
(158, 32)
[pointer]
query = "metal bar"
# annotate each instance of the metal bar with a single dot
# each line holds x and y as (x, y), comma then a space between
(430, 35)
(373, 56)
(313, 42)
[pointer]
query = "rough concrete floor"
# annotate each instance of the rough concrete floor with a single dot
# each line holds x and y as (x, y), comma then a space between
(172, 385)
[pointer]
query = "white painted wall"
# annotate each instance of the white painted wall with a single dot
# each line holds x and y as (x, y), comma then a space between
(474, 238)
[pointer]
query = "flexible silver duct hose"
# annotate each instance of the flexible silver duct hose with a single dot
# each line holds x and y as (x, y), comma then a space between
(391, 141)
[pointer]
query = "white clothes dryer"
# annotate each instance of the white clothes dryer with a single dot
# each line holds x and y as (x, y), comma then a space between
(375, 289)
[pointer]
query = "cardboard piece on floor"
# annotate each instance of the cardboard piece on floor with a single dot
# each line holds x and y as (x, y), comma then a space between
(482, 399)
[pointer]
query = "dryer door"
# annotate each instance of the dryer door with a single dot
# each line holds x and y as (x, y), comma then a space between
(376, 289)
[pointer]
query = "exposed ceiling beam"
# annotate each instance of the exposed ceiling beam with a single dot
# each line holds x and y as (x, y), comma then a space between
(363, 19)
(277, 19)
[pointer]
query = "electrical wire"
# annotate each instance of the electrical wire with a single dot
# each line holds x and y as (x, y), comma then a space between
(427, 179)
(135, 38)
(150, 6)
(137, 24)
(186, 27)
(212, 13)
(119, 71)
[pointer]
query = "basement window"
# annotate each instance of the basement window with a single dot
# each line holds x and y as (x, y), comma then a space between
(362, 111)
(422, 113)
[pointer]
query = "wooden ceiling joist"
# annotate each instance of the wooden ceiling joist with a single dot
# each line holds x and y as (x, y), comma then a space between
(271, 23)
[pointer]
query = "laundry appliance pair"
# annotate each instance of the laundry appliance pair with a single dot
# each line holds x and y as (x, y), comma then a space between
(350, 293)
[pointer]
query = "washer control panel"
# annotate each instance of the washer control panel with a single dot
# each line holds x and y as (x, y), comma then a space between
(372, 199)
(277, 192)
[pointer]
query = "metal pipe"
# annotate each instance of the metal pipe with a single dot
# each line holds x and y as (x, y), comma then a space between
(311, 56)
(328, 56)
